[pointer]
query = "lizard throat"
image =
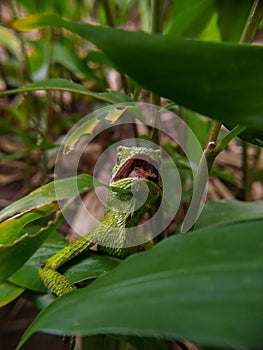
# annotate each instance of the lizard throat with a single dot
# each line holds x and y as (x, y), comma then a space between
(140, 168)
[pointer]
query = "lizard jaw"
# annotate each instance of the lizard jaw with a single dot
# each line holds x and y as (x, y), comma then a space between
(138, 167)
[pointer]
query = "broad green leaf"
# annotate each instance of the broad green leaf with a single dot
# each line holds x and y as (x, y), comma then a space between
(221, 80)
(87, 266)
(18, 243)
(12, 229)
(205, 286)
(189, 17)
(51, 192)
(229, 211)
(27, 276)
(232, 17)
(88, 127)
(66, 85)
(8, 293)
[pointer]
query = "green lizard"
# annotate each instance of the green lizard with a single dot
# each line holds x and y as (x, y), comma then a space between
(135, 168)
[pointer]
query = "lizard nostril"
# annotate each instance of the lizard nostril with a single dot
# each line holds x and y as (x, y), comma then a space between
(43, 264)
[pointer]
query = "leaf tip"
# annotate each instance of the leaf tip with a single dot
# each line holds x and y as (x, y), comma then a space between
(24, 24)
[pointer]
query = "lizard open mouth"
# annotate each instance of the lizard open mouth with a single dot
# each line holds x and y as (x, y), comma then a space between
(139, 168)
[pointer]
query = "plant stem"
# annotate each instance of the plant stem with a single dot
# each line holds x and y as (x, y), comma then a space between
(248, 34)
(156, 27)
(157, 16)
(29, 103)
(253, 22)
(214, 131)
(212, 150)
(110, 21)
(245, 173)
(108, 13)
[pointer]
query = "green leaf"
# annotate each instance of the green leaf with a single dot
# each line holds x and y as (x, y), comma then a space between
(232, 17)
(18, 245)
(66, 85)
(221, 80)
(67, 57)
(228, 211)
(51, 192)
(204, 286)
(211, 31)
(10, 41)
(189, 17)
(88, 127)
(21, 244)
(252, 136)
(8, 293)
(40, 300)
(12, 229)
(198, 124)
(87, 266)
(27, 276)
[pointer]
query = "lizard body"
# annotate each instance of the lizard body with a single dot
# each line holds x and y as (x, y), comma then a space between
(119, 230)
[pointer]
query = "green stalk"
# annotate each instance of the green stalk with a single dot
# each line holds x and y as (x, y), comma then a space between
(156, 27)
(24, 75)
(108, 13)
(214, 131)
(157, 16)
(110, 22)
(253, 22)
(248, 34)
(245, 173)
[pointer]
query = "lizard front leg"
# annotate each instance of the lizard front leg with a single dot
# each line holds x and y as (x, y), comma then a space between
(52, 279)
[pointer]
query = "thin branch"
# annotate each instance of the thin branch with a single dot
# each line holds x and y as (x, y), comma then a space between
(253, 22)
(156, 27)
(110, 21)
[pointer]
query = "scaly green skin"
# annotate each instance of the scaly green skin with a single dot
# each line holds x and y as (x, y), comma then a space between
(111, 234)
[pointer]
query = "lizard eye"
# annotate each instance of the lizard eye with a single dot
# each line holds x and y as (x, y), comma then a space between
(118, 159)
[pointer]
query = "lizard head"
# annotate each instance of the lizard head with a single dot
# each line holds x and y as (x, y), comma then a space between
(137, 163)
